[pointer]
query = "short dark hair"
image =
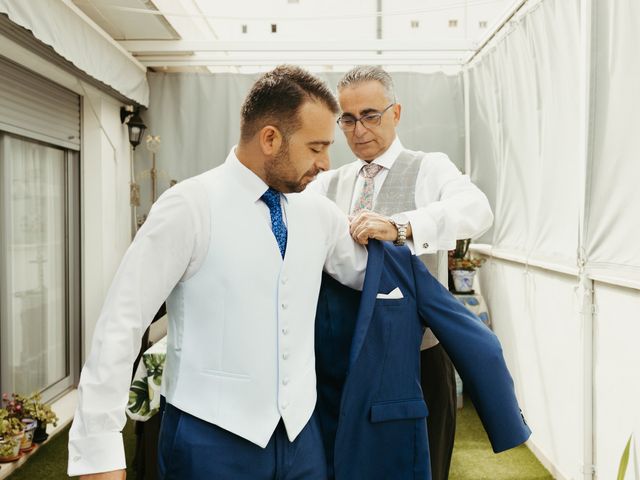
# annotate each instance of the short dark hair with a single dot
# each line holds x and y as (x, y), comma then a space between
(276, 98)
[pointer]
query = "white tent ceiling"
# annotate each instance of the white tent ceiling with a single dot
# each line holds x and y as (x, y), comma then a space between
(250, 35)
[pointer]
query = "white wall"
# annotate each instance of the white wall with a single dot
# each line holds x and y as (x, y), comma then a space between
(535, 313)
(106, 218)
(616, 380)
(105, 212)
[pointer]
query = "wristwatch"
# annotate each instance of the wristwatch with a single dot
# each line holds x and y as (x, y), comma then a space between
(401, 222)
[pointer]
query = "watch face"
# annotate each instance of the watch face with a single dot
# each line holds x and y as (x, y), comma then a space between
(400, 219)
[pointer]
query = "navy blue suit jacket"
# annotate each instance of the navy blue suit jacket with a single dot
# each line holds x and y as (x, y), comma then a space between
(370, 404)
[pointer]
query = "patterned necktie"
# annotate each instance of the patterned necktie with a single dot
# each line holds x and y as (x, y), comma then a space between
(272, 198)
(365, 201)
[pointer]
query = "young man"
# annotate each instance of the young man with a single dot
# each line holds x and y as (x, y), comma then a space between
(238, 256)
(430, 204)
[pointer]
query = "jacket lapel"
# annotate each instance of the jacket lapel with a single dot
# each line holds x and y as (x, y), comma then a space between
(368, 299)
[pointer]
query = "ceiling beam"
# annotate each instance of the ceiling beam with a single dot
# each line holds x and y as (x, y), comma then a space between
(162, 47)
(261, 61)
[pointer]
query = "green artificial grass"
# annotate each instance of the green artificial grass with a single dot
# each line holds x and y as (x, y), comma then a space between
(473, 458)
(49, 461)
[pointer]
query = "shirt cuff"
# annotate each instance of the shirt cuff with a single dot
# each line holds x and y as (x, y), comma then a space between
(423, 232)
(431, 230)
(96, 454)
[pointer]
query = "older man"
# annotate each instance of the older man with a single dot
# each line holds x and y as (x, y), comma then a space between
(238, 255)
(421, 195)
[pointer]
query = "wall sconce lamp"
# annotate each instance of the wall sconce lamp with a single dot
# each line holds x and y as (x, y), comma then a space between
(130, 115)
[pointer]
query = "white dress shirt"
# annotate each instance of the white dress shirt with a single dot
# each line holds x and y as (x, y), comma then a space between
(449, 206)
(240, 346)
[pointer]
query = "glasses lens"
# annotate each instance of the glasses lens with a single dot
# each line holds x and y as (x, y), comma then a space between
(372, 120)
(346, 123)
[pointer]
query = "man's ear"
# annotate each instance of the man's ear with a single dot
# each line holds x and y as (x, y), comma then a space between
(270, 140)
(397, 110)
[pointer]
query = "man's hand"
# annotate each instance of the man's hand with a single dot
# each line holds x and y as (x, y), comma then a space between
(366, 225)
(113, 475)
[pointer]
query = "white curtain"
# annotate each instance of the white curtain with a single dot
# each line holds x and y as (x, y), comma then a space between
(198, 119)
(612, 216)
(612, 230)
(526, 143)
(525, 154)
(524, 133)
(34, 285)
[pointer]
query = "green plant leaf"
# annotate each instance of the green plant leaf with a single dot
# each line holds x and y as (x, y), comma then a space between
(624, 461)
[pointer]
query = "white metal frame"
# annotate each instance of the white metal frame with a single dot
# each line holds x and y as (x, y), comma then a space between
(72, 278)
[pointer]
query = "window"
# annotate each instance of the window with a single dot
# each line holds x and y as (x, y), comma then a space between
(39, 255)
(415, 23)
(453, 23)
(244, 29)
(274, 28)
(482, 24)
(39, 233)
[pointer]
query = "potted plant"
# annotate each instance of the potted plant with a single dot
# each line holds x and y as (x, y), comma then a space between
(40, 412)
(9, 449)
(11, 433)
(16, 407)
(463, 267)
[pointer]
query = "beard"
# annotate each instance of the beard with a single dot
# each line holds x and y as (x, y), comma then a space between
(282, 175)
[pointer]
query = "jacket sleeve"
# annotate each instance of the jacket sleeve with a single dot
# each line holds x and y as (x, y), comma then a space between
(477, 355)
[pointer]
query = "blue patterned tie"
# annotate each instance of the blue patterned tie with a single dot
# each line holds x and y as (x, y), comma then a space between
(272, 198)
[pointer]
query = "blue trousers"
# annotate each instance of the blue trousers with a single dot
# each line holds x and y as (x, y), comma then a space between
(191, 449)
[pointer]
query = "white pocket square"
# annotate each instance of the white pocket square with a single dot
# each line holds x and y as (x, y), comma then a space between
(394, 294)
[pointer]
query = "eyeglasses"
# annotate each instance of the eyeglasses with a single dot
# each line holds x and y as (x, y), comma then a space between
(348, 122)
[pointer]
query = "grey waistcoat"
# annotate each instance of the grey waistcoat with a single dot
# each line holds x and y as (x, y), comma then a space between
(396, 195)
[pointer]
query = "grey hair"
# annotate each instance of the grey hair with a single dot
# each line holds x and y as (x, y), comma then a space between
(368, 73)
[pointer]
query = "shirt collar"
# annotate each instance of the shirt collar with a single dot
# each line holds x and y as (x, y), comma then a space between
(388, 158)
(250, 183)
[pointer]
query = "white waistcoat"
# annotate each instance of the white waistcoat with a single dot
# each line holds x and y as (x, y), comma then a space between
(241, 336)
